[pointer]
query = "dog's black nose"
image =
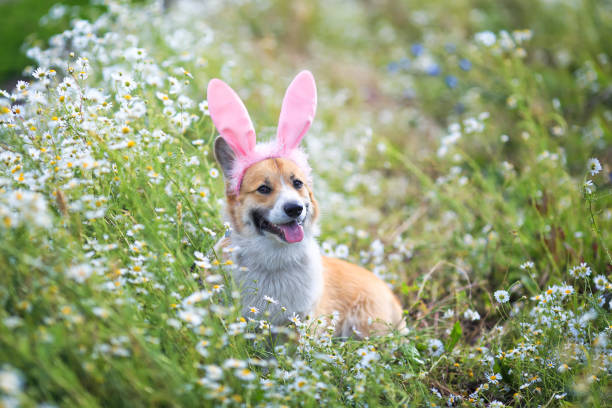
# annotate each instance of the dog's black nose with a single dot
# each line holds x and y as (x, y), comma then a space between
(293, 210)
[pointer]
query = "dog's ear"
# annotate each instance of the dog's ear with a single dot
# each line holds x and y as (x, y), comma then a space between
(230, 117)
(297, 112)
(225, 156)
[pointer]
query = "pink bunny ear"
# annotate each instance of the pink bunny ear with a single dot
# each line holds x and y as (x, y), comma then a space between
(230, 117)
(298, 111)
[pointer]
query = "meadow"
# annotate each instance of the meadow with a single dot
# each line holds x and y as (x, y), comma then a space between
(462, 151)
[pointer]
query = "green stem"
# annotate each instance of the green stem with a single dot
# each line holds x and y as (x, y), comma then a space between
(597, 230)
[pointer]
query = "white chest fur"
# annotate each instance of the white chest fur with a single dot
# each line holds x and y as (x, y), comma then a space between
(291, 274)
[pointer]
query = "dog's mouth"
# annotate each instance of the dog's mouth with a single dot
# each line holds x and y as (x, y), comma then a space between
(291, 232)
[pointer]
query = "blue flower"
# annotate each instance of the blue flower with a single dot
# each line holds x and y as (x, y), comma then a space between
(417, 49)
(433, 70)
(404, 63)
(465, 64)
(451, 81)
(393, 67)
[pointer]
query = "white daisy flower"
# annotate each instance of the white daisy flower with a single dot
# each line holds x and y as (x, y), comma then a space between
(494, 378)
(10, 380)
(245, 374)
(471, 315)
(270, 300)
(79, 273)
(589, 187)
(435, 347)
(501, 296)
(594, 166)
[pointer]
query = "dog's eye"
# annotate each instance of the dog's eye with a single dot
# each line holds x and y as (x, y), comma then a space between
(263, 189)
(297, 184)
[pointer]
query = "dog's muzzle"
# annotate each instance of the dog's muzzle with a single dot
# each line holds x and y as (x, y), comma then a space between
(290, 232)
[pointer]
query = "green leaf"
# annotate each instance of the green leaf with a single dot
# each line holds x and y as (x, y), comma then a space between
(454, 337)
(531, 286)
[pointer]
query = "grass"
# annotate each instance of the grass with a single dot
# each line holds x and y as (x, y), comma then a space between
(451, 152)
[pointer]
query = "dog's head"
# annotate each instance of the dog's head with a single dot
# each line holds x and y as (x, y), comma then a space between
(268, 185)
(275, 199)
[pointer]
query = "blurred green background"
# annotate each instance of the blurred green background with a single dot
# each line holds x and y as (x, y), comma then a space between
(20, 24)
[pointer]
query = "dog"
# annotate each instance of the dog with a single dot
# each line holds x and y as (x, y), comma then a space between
(273, 216)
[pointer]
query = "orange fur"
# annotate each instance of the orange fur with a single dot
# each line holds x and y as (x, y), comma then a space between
(365, 304)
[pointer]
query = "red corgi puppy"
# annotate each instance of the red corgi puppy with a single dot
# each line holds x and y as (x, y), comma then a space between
(273, 215)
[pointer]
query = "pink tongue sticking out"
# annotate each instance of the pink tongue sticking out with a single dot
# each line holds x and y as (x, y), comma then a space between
(293, 232)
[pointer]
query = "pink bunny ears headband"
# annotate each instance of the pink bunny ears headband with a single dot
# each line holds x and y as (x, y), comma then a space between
(232, 120)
